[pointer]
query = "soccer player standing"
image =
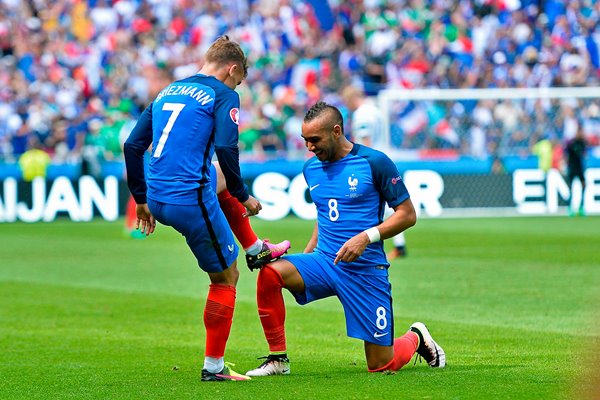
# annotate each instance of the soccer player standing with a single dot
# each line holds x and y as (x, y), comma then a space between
(189, 121)
(349, 184)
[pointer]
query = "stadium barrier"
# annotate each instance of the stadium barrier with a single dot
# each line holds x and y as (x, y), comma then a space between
(463, 152)
(282, 190)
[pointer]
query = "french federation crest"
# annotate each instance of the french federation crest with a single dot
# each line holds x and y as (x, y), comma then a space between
(353, 182)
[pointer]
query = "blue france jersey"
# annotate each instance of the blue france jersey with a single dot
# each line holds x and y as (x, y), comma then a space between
(350, 196)
(187, 121)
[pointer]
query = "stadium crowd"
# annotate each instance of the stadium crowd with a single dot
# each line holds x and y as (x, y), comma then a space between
(75, 74)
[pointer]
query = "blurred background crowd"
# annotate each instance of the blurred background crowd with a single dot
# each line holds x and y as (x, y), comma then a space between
(75, 75)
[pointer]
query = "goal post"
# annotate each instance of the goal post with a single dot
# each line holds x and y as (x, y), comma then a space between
(490, 136)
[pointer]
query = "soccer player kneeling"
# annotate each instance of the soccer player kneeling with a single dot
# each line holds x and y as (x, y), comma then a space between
(349, 184)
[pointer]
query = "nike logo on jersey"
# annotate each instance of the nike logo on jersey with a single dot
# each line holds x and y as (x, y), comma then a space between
(313, 187)
(230, 248)
(378, 335)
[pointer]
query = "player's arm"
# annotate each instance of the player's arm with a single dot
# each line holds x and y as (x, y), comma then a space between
(229, 163)
(226, 143)
(312, 243)
(227, 151)
(391, 188)
(134, 148)
(404, 217)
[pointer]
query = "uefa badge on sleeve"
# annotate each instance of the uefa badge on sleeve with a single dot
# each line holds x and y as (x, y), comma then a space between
(234, 114)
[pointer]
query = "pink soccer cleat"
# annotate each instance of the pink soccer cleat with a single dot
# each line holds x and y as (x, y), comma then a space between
(269, 253)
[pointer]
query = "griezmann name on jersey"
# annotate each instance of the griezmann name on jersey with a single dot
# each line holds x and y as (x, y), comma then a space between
(187, 122)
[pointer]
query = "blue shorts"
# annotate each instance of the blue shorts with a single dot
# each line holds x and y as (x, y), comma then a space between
(204, 227)
(213, 177)
(366, 299)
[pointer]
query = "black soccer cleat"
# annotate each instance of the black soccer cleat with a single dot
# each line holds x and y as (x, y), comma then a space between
(269, 253)
(226, 374)
(428, 348)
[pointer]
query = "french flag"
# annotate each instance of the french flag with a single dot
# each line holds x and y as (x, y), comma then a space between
(413, 120)
(444, 130)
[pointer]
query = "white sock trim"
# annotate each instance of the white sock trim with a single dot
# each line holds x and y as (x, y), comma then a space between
(255, 248)
(214, 365)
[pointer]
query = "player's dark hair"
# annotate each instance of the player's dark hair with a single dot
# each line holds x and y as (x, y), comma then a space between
(224, 51)
(333, 114)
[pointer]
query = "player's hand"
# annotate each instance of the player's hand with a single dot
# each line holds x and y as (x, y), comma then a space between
(353, 248)
(145, 221)
(253, 207)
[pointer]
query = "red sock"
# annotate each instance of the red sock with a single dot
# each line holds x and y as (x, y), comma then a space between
(218, 315)
(271, 308)
(130, 214)
(239, 224)
(404, 348)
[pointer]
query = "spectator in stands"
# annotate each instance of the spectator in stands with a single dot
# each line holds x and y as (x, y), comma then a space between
(575, 152)
(366, 118)
(58, 58)
(34, 163)
(294, 144)
(272, 136)
(543, 149)
(93, 149)
(58, 141)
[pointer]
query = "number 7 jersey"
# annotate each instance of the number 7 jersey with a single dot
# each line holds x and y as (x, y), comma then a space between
(350, 196)
(188, 121)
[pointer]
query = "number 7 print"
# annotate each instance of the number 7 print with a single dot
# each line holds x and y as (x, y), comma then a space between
(176, 109)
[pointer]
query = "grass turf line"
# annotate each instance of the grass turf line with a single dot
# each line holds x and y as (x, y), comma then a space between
(89, 314)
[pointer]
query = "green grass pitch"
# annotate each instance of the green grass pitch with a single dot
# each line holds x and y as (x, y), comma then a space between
(87, 313)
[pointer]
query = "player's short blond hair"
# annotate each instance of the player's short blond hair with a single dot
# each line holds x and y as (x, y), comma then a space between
(224, 51)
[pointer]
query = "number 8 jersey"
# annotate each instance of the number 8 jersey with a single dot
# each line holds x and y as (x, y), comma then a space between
(350, 196)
